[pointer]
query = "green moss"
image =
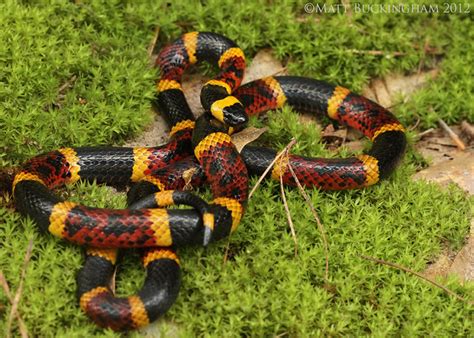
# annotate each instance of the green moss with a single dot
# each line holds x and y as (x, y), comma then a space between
(263, 289)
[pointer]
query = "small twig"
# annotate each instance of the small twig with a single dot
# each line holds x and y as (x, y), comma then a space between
(421, 64)
(19, 291)
(67, 84)
(152, 45)
(318, 221)
(426, 132)
(270, 166)
(415, 125)
(227, 248)
(260, 179)
(6, 289)
(288, 214)
(429, 280)
(344, 139)
(376, 52)
(449, 145)
(420, 67)
(347, 7)
(452, 135)
(427, 49)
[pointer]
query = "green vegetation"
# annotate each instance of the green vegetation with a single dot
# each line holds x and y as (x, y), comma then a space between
(100, 48)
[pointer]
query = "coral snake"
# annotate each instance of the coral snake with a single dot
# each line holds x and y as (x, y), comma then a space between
(203, 149)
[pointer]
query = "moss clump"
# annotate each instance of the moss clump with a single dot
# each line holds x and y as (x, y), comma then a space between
(262, 289)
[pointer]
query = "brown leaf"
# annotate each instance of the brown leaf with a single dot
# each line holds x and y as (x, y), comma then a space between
(306, 118)
(155, 134)
(192, 85)
(188, 176)
(467, 130)
(450, 165)
(459, 170)
(463, 264)
(263, 64)
(332, 137)
(355, 146)
(436, 146)
(386, 90)
(440, 267)
(460, 264)
(244, 137)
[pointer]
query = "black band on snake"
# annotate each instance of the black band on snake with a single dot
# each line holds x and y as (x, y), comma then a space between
(204, 147)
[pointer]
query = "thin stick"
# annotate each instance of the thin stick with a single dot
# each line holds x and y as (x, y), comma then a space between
(288, 214)
(375, 52)
(270, 166)
(19, 291)
(6, 289)
(261, 178)
(153, 41)
(347, 7)
(429, 280)
(452, 135)
(316, 217)
(415, 125)
(67, 84)
(423, 133)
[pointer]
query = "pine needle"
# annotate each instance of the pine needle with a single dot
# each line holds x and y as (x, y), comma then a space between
(429, 280)
(318, 221)
(16, 299)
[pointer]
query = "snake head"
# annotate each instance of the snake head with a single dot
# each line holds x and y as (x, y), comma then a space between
(230, 111)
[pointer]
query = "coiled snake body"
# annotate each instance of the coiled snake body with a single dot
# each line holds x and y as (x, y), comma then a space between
(205, 146)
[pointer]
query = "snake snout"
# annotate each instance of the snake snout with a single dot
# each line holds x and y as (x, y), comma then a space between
(235, 115)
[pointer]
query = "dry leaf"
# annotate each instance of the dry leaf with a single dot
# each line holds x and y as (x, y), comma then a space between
(438, 147)
(385, 90)
(355, 146)
(306, 118)
(188, 176)
(192, 85)
(244, 137)
(263, 64)
(463, 264)
(155, 134)
(459, 170)
(330, 131)
(452, 166)
(467, 130)
(460, 264)
(440, 267)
